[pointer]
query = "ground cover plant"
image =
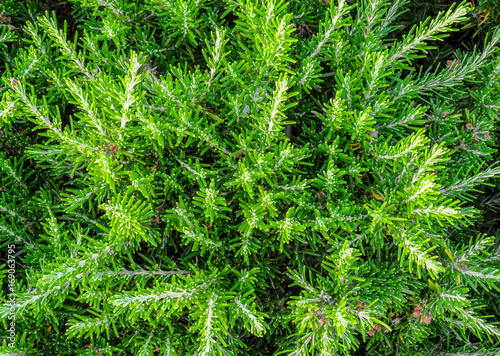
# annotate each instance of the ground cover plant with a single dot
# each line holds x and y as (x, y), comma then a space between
(247, 177)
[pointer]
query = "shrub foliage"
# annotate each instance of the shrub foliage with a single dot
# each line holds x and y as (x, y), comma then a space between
(246, 177)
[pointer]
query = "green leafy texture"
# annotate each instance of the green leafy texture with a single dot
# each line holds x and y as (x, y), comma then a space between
(248, 178)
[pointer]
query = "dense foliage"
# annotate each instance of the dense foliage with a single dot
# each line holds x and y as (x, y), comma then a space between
(245, 177)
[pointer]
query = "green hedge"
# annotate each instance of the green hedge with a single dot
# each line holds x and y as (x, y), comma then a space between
(246, 177)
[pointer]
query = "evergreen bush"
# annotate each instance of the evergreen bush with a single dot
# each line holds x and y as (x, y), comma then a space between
(245, 177)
